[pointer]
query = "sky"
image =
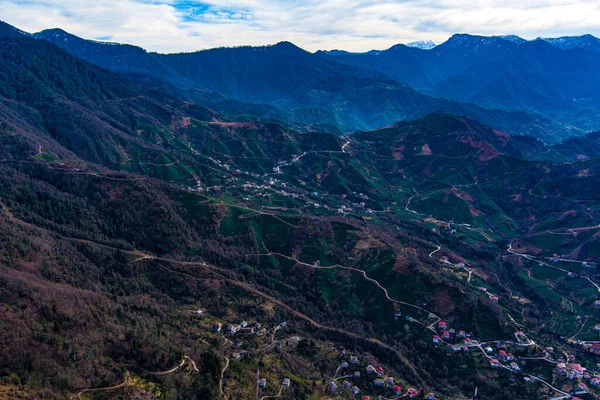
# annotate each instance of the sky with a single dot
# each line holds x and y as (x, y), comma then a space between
(354, 25)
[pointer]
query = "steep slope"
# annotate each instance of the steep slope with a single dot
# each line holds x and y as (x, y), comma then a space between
(102, 271)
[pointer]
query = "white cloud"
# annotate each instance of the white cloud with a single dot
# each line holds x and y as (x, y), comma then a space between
(186, 25)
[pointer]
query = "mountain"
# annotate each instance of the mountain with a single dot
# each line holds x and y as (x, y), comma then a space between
(586, 42)
(513, 38)
(134, 224)
(423, 44)
(304, 86)
(554, 78)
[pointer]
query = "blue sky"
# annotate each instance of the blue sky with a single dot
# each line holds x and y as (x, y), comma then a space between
(356, 25)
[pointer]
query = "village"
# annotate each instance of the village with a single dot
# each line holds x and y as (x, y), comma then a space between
(351, 375)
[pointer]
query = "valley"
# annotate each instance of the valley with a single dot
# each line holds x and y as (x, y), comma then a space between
(153, 247)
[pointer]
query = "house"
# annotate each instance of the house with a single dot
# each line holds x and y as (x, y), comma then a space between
(378, 383)
(286, 382)
(283, 324)
(456, 349)
(379, 371)
(443, 325)
(452, 330)
(389, 381)
(354, 390)
(262, 382)
(467, 340)
(489, 350)
(462, 333)
(244, 324)
(595, 381)
(520, 334)
(356, 375)
(217, 328)
(353, 360)
(398, 313)
(446, 334)
(257, 326)
(550, 349)
(347, 385)
(232, 329)
(483, 289)
(370, 369)
(332, 388)
(199, 313)
(514, 366)
(436, 339)
(430, 396)
(412, 393)
(494, 363)
(582, 386)
(502, 355)
(597, 303)
(561, 368)
(366, 398)
(397, 390)
(236, 356)
(495, 299)
(465, 349)
(345, 365)
(527, 379)
(598, 327)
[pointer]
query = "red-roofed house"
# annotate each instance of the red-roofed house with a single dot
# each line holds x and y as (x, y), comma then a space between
(443, 325)
(397, 390)
(412, 393)
(436, 339)
(446, 335)
(379, 371)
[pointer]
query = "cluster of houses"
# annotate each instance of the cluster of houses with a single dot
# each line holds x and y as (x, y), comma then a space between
(573, 371)
(277, 186)
(380, 380)
(447, 333)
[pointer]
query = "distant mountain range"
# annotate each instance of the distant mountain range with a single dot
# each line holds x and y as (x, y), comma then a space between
(545, 88)
(375, 89)
(556, 78)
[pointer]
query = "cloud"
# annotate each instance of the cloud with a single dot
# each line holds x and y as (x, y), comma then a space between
(356, 25)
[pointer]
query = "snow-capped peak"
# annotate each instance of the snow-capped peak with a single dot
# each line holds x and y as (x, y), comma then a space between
(422, 44)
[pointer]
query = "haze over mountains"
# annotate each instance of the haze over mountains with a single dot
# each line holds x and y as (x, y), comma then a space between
(184, 226)
(551, 91)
